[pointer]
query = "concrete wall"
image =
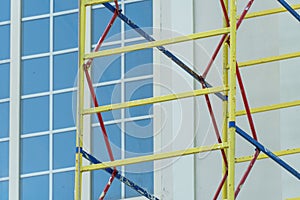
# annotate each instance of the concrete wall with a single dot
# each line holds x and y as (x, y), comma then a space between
(185, 123)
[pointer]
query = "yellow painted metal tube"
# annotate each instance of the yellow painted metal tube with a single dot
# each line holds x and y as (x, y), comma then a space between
(157, 43)
(270, 11)
(296, 198)
(270, 107)
(232, 102)
(153, 157)
(263, 156)
(269, 59)
(152, 100)
(79, 124)
(225, 105)
(94, 2)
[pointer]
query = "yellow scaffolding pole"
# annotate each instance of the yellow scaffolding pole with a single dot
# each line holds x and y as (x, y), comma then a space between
(263, 156)
(269, 59)
(157, 43)
(79, 127)
(270, 11)
(153, 157)
(270, 107)
(232, 101)
(152, 100)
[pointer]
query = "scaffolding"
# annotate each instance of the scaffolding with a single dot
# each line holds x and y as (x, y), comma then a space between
(232, 78)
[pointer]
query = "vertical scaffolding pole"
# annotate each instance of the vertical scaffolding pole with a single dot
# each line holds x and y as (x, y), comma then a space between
(80, 107)
(225, 102)
(232, 101)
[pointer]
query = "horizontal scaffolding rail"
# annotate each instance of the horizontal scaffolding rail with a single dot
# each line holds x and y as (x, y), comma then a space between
(264, 156)
(153, 157)
(157, 43)
(270, 11)
(270, 107)
(152, 100)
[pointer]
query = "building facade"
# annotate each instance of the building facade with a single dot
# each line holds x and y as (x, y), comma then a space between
(38, 99)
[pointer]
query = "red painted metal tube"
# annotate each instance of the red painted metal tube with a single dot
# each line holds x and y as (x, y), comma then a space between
(220, 186)
(225, 38)
(243, 179)
(96, 104)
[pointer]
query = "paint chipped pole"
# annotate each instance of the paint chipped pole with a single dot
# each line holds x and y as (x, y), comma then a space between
(232, 101)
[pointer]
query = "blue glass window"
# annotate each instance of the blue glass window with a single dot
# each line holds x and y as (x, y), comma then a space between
(144, 180)
(5, 42)
(139, 90)
(63, 186)
(114, 136)
(139, 137)
(65, 70)
(60, 5)
(108, 95)
(35, 75)
(35, 7)
(64, 150)
(4, 81)
(4, 190)
(100, 19)
(33, 41)
(63, 114)
(4, 159)
(36, 187)
(141, 14)
(106, 68)
(35, 115)
(138, 63)
(34, 154)
(99, 180)
(65, 31)
(4, 120)
(5, 10)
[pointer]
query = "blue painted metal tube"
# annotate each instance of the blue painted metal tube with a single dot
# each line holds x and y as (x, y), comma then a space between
(268, 152)
(162, 49)
(123, 179)
(290, 9)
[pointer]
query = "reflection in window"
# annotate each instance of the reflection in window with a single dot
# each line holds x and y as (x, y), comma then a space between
(138, 63)
(108, 95)
(65, 31)
(36, 187)
(35, 114)
(138, 138)
(65, 70)
(141, 14)
(5, 10)
(35, 7)
(63, 150)
(63, 115)
(4, 81)
(4, 190)
(100, 19)
(114, 136)
(139, 90)
(4, 120)
(60, 5)
(99, 180)
(33, 41)
(4, 41)
(62, 186)
(35, 75)
(106, 68)
(4, 159)
(144, 180)
(35, 154)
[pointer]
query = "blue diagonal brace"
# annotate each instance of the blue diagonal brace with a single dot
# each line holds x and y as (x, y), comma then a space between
(162, 49)
(268, 152)
(123, 179)
(290, 9)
